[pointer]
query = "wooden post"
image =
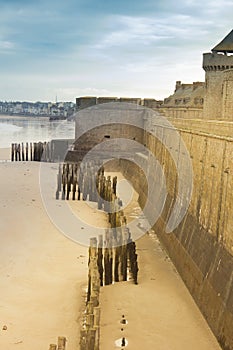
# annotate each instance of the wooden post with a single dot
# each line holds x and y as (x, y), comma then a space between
(83, 339)
(97, 337)
(74, 186)
(96, 316)
(52, 347)
(90, 307)
(59, 178)
(90, 320)
(107, 260)
(91, 339)
(63, 185)
(22, 151)
(100, 259)
(114, 184)
(26, 151)
(94, 299)
(116, 265)
(12, 152)
(40, 151)
(48, 152)
(61, 343)
(34, 152)
(31, 158)
(68, 188)
(19, 152)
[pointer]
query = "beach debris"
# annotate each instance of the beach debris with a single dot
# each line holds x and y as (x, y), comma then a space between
(121, 342)
(4, 328)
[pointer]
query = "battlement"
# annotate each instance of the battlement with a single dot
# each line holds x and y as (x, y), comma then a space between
(88, 101)
(217, 62)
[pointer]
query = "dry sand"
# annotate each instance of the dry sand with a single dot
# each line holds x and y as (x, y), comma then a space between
(43, 276)
(5, 154)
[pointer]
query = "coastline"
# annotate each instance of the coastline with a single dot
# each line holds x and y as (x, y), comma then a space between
(24, 117)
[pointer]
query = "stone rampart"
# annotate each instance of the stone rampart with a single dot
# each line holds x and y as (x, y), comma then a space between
(202, 245)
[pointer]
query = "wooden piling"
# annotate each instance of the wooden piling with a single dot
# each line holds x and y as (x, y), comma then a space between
(74, 187)
(26, 151)
(100, 259)
(12, 152)
(96, 316)
(19, 152)
(52, 347)
(61, 343)
(83, 339)
(91, 339)
(23, 152)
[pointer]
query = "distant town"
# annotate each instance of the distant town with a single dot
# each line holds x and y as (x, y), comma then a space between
(57, 110)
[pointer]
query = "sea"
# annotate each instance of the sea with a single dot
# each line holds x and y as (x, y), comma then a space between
(33, 129)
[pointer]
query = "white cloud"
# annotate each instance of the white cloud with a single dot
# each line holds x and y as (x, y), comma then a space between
(6, 45)
(145, 31)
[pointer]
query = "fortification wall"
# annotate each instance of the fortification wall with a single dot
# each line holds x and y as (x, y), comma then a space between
(182, 112)
(214, 65)
(202, 245)
(88, 101)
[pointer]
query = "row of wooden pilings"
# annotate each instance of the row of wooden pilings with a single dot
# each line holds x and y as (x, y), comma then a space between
(90, 331)
(112, 257)
(85, 181)
(88, 181)
(31, 151)
(107, 264)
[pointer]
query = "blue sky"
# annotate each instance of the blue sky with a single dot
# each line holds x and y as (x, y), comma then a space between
(74, 48)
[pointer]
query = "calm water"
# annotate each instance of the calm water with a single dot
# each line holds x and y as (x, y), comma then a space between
(31, 129)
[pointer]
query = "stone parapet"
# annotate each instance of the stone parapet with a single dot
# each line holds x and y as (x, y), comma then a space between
(215, 61)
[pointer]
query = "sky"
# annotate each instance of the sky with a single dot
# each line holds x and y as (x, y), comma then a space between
(70, 48)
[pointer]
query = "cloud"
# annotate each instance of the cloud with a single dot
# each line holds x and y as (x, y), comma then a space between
(146, 31)
(6, 45)
(99, 47)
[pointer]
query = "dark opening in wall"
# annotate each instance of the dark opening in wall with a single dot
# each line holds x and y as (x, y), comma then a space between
(107, 136)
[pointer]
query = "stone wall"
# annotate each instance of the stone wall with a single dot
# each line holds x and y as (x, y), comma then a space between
(186, 102)
(201, 247)
(88, 101)
(182, 112)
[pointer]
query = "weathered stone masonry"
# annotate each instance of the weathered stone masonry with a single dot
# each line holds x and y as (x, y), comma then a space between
(201, 247)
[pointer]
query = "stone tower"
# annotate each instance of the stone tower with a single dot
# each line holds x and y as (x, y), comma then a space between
(218, 65)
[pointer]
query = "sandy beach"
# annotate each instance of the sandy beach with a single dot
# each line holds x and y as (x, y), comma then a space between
(5, 154)
(43, 277)
(43, 274)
